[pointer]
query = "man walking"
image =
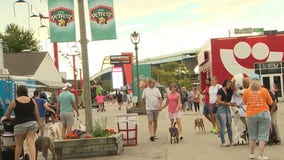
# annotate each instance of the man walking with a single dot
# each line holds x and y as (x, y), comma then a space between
(67, 105)
(152, 104)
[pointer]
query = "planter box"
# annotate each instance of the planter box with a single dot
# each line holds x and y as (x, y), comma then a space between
(89, 147)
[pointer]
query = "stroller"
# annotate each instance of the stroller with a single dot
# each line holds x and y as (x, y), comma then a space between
(8, 141)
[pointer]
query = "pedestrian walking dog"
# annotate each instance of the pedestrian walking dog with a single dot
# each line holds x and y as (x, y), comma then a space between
(174, 133)
(198, 122)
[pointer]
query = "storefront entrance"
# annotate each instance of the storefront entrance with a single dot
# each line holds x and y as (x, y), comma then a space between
(268, 80)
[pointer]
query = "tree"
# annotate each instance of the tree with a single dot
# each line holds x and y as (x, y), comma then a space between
(17, 39)
(172, 72)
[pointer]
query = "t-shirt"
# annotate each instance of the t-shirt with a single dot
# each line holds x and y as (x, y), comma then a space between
(256, 101)
(40, 103)
(100, 99)
(65, 100)
(226, 97)
(184, 96)
(213, 93)
(206, 95)
(151, 96)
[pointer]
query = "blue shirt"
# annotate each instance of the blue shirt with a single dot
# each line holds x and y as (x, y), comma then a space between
(40, 103)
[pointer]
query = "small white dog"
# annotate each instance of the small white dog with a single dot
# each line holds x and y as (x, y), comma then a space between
(54, 131)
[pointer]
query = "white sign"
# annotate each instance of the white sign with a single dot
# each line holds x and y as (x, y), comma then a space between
(117, 77)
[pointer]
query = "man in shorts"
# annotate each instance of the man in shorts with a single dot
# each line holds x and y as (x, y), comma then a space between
(67, 105)
(152, 104)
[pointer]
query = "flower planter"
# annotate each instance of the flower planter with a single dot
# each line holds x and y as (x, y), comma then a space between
(89, 147)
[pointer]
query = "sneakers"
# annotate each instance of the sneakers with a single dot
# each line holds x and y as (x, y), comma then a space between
(152, 138)
(252, 156)
(262, 157)
(213, 130)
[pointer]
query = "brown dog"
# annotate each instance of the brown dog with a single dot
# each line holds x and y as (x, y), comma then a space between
(199, 123)
(44, 144)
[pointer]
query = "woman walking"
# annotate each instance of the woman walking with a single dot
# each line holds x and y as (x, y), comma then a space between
(173, 102)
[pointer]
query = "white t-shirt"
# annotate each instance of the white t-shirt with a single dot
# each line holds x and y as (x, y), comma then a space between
(213, 93)
(151, 96)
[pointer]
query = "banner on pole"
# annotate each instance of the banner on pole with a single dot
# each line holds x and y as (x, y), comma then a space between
(102, 19)
(61, 20)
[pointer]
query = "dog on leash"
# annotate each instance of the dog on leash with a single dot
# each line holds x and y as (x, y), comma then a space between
(54, 131)
(174, 133)
(198, 122)
(43, 144)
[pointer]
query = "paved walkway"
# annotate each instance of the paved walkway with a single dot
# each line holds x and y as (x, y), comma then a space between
(195, 146)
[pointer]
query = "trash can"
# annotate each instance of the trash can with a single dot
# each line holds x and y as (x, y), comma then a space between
(127, 125)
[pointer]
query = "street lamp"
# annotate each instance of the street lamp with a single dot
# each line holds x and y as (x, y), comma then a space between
(135, 39)
(73, 53)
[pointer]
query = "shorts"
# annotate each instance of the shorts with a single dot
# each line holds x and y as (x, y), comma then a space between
(53, 108)
(67, 118)
(152, 115)
(25, 127)
(213, 108)
(174, 115)
(258, 126)
(206, 109)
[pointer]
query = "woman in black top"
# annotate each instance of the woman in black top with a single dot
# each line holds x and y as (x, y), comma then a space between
(26, 121)
(224, 96)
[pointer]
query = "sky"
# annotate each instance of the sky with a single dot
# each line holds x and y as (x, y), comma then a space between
(165, 26)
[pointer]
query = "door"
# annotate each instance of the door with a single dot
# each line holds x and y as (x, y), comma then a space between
(269, 80)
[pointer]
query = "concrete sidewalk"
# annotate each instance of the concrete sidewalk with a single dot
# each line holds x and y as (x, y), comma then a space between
(197, 146)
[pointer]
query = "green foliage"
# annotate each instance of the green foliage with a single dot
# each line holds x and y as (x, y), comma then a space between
(100, 128)
(17, 39)
(172, 72)
(106, 84)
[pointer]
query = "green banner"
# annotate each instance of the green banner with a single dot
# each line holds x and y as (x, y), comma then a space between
(144, 72)
(102, 19)
(61, 21)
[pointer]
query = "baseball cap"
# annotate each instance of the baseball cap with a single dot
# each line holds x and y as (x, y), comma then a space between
(67, 85)
(254, 76)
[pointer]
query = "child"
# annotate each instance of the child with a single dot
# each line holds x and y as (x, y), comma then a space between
(100, 101)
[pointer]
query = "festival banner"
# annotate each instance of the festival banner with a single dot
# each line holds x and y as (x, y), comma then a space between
(61, 21)
(102, 19)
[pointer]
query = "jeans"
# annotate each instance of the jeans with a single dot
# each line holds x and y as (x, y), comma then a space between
(225, 120)
(189, 104)
(196, 106)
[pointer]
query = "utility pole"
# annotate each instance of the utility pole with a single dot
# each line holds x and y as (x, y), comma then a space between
(85, 67)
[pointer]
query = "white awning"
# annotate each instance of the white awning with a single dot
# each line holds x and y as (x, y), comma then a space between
(55, 85)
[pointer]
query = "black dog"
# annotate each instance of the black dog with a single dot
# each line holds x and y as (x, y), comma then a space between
(174, 133)
(44, 144)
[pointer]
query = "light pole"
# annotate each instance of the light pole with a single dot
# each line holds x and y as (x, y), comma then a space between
(73, 53)
(135, 39)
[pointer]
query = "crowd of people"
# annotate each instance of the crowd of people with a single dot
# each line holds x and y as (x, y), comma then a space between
(256, 106)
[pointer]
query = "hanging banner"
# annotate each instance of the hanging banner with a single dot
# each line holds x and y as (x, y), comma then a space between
(61, 21)
(102, 19)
